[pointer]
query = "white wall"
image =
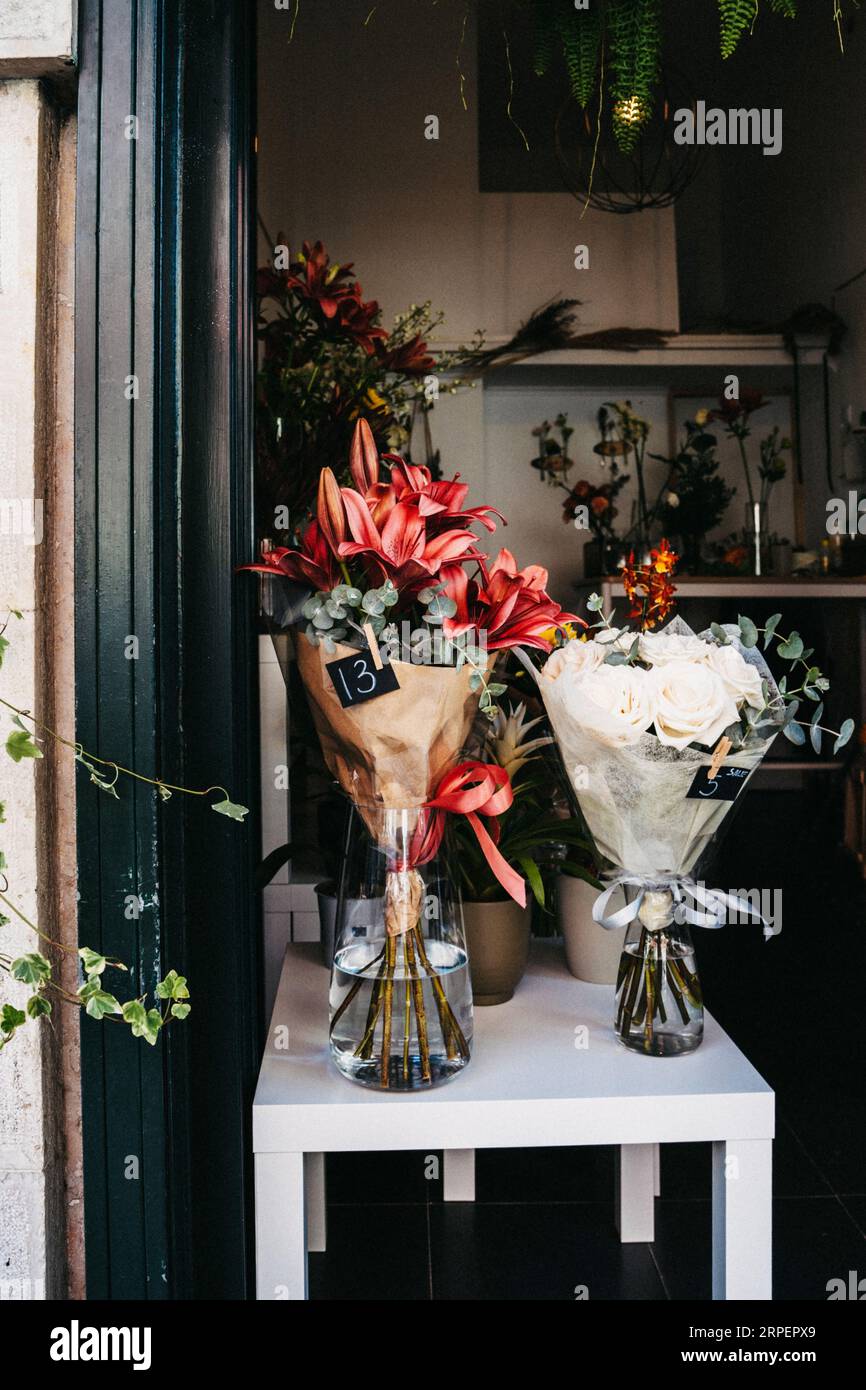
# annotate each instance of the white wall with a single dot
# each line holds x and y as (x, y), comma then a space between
(342, 157)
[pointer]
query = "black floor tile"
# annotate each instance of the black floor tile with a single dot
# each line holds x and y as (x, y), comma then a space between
(832, 1129)
(374, 1253)
(856, 1209)
(814, 1240)
(544, 1175)
(536, 1251)
(398, 1176)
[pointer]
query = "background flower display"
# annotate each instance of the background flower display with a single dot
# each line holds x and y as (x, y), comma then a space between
(696, 497)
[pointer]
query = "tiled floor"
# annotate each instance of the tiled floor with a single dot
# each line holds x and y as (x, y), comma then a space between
(542, 1223)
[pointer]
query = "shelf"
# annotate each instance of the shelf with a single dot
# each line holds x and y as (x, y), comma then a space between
(747, 586)
(716, 350)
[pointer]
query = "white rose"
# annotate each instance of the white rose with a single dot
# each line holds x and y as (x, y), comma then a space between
(572, 656)
(741, 680)
(658, 648)
(611, 702)
(690, 704)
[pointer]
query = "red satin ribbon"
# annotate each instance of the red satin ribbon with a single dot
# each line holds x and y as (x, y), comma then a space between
(472, 790)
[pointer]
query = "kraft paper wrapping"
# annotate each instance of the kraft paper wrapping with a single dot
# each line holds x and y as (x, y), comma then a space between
(390, 752)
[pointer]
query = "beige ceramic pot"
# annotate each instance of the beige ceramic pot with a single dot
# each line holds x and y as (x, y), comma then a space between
(592, 952)
(497, 938)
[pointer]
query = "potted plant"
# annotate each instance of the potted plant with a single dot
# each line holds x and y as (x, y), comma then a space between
(696, 498)
(498, 929)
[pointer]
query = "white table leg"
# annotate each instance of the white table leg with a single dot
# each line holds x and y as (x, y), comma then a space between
(281, 1245)
(314, 1193)
(657, 1170)
(635, 1183)
(458, 1176)
(743, 1219)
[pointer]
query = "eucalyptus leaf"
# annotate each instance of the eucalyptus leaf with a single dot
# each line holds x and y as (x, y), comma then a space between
(769, 630)
(720, 634)
(844, 734)
(748, 632)
(792, 648)
(794, 733)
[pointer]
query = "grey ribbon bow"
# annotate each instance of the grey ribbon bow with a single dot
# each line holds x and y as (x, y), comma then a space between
(695, 904)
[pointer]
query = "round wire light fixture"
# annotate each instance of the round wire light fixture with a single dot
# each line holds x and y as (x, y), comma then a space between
(597, 172)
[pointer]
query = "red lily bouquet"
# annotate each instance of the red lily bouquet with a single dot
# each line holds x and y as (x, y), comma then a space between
(400, 620)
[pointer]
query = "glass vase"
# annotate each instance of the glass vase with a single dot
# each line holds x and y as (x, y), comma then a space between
(659, 1008)
(401, 998)
(757, 538)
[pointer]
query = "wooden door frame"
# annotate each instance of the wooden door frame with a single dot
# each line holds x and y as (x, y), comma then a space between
(164, 514)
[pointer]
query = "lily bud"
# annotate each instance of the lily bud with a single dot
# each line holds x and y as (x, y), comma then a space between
(330, 511)
(363, 458)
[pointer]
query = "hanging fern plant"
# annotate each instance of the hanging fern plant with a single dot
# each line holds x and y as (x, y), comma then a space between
(635, 28)
(580, 35)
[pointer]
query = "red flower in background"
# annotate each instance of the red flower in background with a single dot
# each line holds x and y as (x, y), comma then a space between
(650, 588)
(359, 319)
(749, 401)
(314, 278)
(411, 358)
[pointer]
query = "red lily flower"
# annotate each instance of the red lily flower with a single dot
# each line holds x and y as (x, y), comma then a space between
(410, 358)
(314, 277)
(510, 607)
(359, 319)
(314, 564)
(363, 458)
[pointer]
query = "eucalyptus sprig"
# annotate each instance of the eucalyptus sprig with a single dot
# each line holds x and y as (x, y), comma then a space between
(780, 710)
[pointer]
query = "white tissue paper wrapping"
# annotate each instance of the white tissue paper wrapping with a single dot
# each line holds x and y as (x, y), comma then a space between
(633, 797)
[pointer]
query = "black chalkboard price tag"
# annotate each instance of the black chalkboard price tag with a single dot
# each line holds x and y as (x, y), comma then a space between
(357, 678)
(725, 786)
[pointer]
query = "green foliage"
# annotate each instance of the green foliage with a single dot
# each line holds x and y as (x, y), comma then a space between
(788, 8)
(580, 35)
(702, 496)
(544, 37)
(635, 29)
(735, 16)
(20, 745)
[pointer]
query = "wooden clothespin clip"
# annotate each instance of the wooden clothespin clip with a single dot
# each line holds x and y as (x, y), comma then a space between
(370, 635)
(720, 752)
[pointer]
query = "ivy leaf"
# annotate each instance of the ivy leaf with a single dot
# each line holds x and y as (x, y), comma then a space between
(4, 920)
(32, 969)
(135, 1014)
(845, 733)
(172, 987)
(10, 1019)
(20, 745)
(38, 1006)
(791, 648)
(180, 1010)
(748, 632)
(2, 814)
(770, 629)
(4, 643)
(100, 1003)
(93, 962)
(230, 809)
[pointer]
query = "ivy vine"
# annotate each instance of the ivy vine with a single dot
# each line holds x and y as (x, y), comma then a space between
(145, 1017)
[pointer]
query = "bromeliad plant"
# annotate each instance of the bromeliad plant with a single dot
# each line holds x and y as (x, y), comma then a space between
(33, 969)
(528, 830)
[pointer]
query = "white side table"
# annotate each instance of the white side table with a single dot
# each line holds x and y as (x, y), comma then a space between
(546, 1070)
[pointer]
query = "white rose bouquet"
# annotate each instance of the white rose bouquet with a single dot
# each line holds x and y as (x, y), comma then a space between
(660, 733)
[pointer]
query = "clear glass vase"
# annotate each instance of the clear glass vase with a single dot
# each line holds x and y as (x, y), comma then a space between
(659, 1007)
(401, 998)
(756, 534)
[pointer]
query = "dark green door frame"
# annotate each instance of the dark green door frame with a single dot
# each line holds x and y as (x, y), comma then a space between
(163, 514)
